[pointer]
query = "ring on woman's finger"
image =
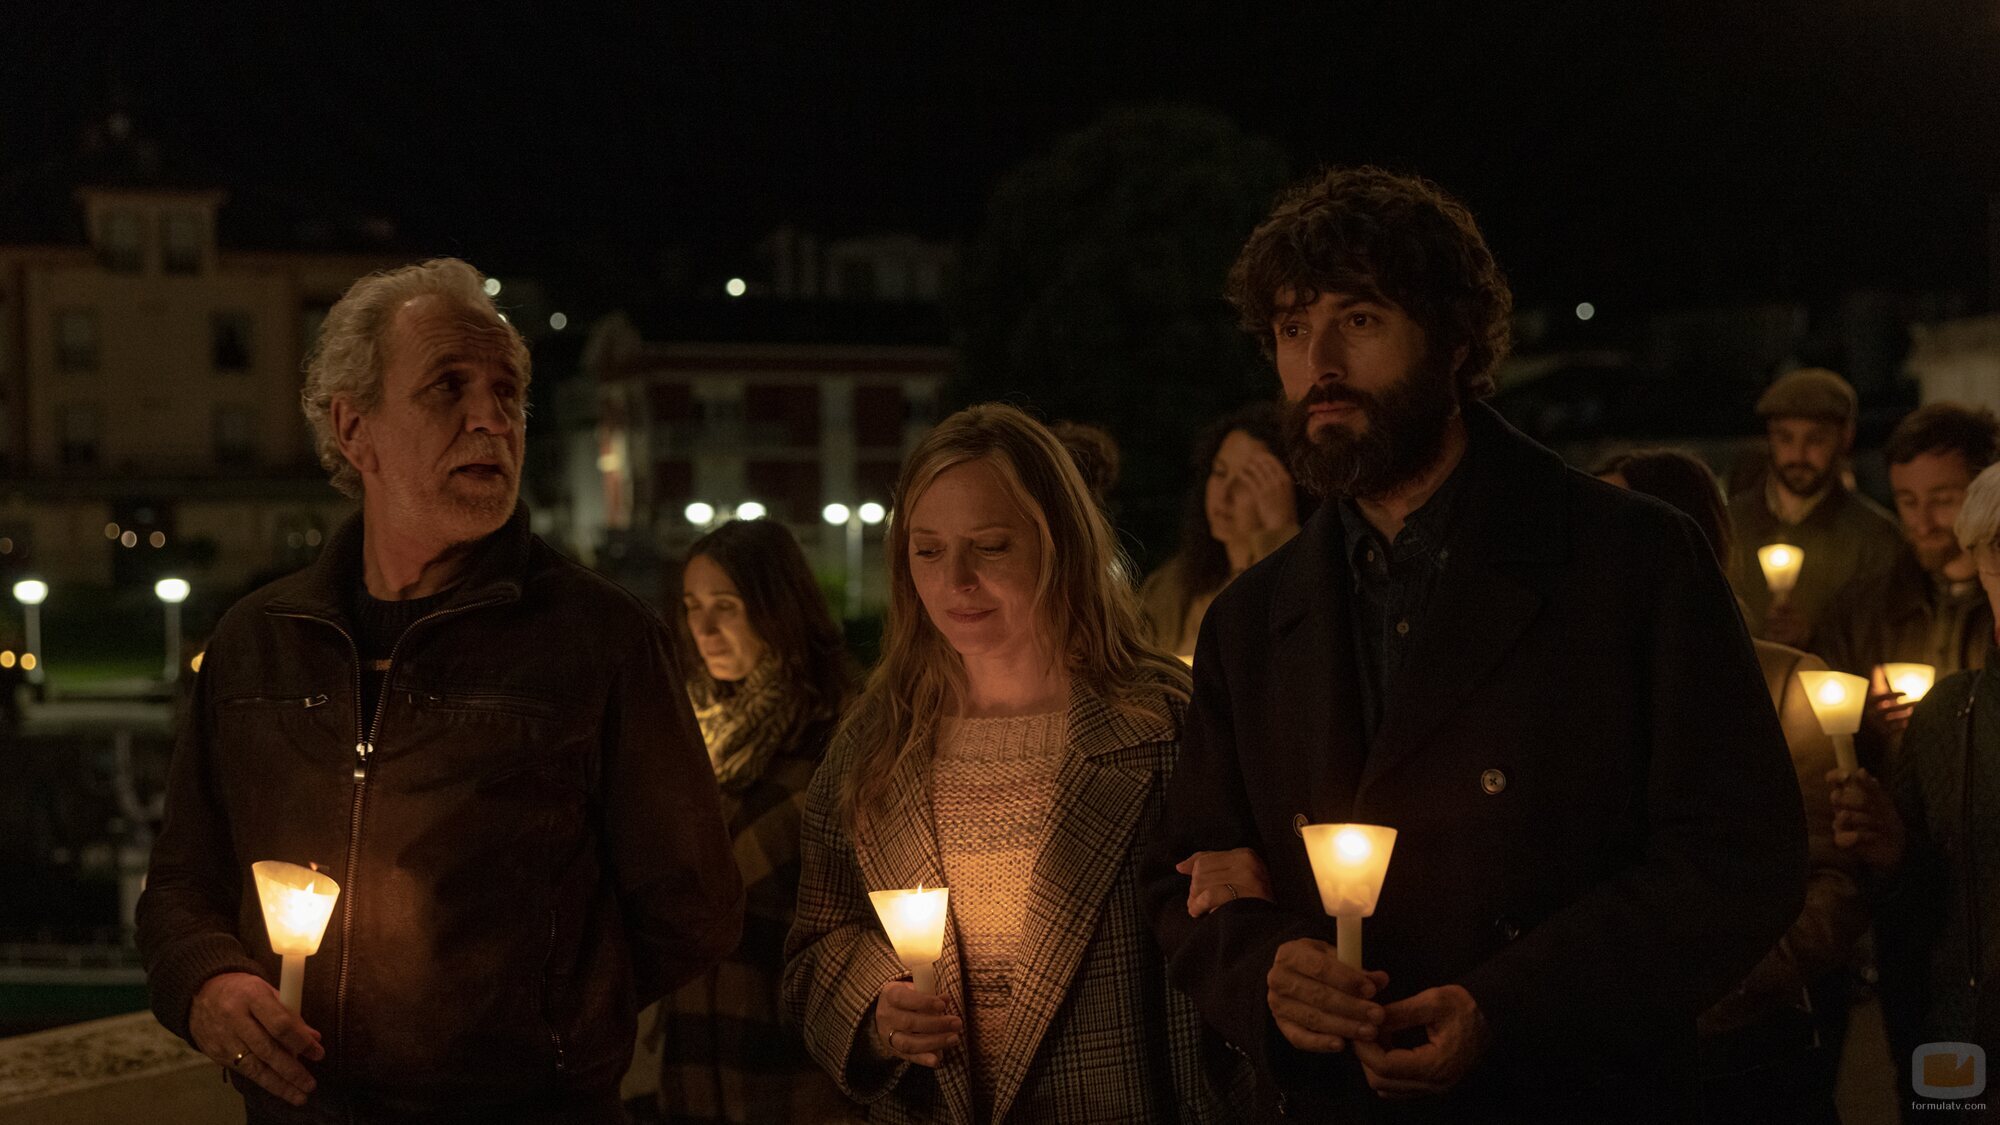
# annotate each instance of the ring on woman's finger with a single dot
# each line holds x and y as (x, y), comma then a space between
(1233, 896)
(892, 1041)
(237, 1062)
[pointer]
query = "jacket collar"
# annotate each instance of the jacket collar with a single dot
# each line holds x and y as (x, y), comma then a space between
(327, 587)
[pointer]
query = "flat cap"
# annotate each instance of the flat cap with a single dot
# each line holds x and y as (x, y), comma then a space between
(1810, 392)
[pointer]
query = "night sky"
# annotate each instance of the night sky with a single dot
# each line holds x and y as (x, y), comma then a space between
(1636, 155)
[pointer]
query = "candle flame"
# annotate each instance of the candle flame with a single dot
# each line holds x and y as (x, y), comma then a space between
(1832, 694)
(1353, 846)
(1781, 557)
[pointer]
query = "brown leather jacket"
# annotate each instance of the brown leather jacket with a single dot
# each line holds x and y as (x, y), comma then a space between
(526, 835)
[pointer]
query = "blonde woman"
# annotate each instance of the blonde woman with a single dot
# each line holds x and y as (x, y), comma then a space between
(1012, 745)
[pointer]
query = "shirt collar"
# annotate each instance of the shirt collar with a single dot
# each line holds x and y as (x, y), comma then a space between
(1424, 530)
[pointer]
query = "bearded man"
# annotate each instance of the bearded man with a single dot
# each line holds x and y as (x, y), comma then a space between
(477, 739)
(1539, 681)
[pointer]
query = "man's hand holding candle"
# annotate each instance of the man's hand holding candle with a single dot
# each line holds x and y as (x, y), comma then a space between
(1865, 820)
(912, 1026)
(1318, 1002)
(238, 1021)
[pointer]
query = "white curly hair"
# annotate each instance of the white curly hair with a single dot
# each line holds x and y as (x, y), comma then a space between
(346, 360)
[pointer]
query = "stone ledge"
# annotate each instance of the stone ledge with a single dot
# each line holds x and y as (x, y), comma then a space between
(125, 1068)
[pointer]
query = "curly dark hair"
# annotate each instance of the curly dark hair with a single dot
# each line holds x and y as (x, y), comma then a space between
(1945, 427)
(1096, 455)
(1373, 233)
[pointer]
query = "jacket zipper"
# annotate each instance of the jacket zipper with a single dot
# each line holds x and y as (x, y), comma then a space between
(368, 729)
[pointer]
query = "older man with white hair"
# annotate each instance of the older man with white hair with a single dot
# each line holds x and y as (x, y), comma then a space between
(474, 737)
(1932, 836)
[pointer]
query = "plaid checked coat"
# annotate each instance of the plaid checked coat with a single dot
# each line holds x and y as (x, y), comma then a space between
(1096, 1032)
(727, 1054)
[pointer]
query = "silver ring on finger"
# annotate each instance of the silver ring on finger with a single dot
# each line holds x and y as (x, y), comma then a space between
(237, 1062)
(1233, 896)
(892, 1041)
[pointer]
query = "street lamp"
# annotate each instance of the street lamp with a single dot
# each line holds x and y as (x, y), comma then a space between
(699, 513)
(31, 592)
(172, 592)
(869, 513)
(750, 510)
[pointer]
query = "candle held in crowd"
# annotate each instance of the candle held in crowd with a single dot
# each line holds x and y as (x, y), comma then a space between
(1782, 563)
(1837, 699)
(1912, 681)
(297, 902)
(1349, 863)
(914, 920)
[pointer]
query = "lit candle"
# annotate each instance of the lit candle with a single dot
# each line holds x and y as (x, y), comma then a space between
(1349, 862)
(1913, 681)
(1837, 699)
(914, 920)
(1781, 563)
(297, 903)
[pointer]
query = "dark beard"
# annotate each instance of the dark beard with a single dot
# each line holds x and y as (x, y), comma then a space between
(1403, 437)
(1801, 481)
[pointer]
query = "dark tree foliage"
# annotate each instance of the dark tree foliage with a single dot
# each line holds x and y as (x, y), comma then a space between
(1093, 292)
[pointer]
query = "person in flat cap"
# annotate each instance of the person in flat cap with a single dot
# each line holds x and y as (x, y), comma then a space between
(1804, 501)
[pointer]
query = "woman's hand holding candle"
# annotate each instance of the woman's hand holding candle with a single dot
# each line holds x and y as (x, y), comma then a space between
(1320, 1003)
(1220, 878)
(912, 1026)
(238, 1021)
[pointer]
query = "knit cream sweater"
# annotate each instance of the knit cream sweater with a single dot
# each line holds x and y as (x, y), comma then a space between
(992, 784)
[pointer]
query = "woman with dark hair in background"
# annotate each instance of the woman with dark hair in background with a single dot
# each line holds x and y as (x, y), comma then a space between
(770, 683)
(1246, 506)
(1770, 1050)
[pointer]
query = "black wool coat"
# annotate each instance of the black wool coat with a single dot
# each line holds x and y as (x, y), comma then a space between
(1599, 830)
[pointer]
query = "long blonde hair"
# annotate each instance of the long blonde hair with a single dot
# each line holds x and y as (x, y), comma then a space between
(1083, 597)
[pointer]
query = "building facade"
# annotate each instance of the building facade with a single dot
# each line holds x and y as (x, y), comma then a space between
(149, 380)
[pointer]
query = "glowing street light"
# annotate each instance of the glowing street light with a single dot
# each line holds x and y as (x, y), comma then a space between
(1585, 311)
(835, 514)
(172, 592)
(1349, 862)
(492, 287)
(750, 510)
(31, 593)
(558, 321)
(297, 902)
(736, 287)
(700, 514)
(872, 513)
(914, 921)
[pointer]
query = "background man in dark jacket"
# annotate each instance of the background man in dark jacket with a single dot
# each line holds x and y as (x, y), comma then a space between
(1804, 500)
(1540, 681)
(481, 742)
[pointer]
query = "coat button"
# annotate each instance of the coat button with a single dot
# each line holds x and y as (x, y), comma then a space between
(1299, 825)
(1493, 781)
(1506, 927)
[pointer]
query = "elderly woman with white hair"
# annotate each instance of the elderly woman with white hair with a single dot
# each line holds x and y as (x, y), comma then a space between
(1932, 836)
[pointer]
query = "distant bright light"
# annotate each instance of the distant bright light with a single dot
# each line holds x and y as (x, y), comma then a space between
(157, 539)
(1585, 311)
(492, 287)
(30, 591)
(7, 658)
(558, 321)
(195, 664)
(111, 530)
(834, 513)
(736, 287)
(171, 590)
(699, 513)
(873, 513)
(28, 662)
(504, 320)
(129, 539)
(750, 510)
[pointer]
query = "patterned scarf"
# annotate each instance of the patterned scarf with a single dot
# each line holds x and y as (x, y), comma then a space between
(751, 724)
